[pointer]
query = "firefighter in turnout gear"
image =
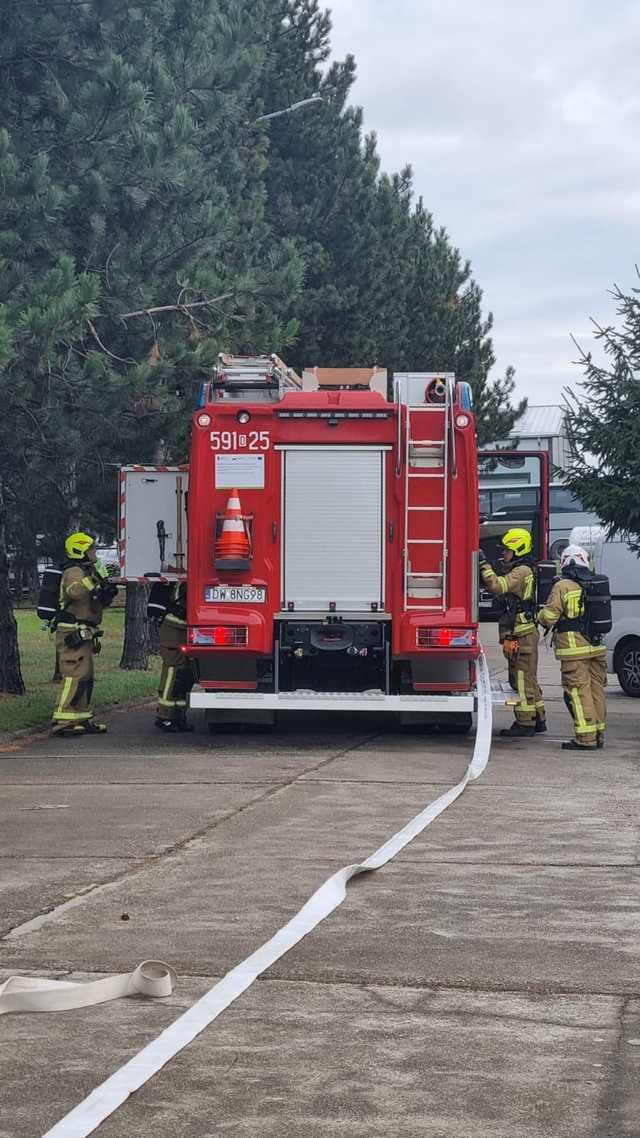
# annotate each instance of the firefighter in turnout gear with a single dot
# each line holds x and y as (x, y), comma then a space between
(168, 604)
(517, 629)
(583, 662)
(85, 590)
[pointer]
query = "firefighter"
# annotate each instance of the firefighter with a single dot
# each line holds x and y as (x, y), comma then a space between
(169, 604)
(517, 629)
(85, 590)
(583, 663)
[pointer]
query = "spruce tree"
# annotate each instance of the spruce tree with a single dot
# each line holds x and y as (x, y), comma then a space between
(603, 422)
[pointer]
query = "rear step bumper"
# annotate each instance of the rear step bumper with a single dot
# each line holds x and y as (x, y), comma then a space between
(331, 701)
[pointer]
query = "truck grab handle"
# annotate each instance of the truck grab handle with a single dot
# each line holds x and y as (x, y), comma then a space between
(399, 438)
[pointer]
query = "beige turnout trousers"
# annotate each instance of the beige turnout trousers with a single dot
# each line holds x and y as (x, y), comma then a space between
(523, 668)
(584, 681)
(76, 689)
(176, 677)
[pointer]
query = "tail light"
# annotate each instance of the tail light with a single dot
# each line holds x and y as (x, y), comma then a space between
(220, 636)
(447, 637)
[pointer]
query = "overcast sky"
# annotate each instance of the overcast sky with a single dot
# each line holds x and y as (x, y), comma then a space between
(521, 121)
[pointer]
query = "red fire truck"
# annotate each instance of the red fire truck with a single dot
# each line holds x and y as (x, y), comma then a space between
(332, 543)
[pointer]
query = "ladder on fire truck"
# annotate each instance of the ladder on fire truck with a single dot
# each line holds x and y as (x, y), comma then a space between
(429, 454)
(261, 377)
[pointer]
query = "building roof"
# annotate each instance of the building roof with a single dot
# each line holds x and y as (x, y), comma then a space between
(540, 422)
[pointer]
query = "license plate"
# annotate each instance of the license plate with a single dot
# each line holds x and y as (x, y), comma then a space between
(236, 594)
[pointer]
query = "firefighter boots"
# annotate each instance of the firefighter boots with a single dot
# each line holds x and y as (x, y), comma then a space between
(518, 731)
(67, 729)
(87, 727)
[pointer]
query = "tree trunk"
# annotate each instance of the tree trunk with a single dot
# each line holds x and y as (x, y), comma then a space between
(154, 638)
(11, 680)
(73, 505)
(135, 652)
(27, 580)
(32, 582)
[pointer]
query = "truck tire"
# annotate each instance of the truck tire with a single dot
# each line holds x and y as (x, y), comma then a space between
(627, 666)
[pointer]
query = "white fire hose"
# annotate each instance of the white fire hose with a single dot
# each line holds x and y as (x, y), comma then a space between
(154, 978)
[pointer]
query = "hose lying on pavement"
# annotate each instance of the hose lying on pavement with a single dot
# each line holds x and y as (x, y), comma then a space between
(29, 994)
(156, 979)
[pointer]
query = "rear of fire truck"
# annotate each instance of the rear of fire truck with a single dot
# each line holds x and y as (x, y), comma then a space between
(333, 538)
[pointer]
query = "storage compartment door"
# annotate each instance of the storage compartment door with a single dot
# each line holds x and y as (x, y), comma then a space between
(333, 529)
(153, 521)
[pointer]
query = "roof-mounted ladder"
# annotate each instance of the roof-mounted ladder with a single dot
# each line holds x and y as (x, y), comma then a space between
(253, 377)
(427, 458)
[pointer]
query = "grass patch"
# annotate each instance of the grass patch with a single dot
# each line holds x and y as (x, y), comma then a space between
(37, 654)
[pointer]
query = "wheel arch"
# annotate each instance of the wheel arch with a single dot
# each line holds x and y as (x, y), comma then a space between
(623, 644)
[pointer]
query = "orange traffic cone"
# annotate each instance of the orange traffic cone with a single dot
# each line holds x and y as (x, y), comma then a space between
(232, 550)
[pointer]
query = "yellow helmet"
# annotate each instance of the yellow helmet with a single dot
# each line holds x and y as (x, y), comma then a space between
(518, 540)
(77, 545)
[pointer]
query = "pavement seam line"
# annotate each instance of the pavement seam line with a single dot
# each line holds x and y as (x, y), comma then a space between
(308, 859)
(37, 922)
(614, 1086)
(377, 982)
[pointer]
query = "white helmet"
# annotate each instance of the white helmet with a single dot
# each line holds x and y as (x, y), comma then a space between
(574, 555)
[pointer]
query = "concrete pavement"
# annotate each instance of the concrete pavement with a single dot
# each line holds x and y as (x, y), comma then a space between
(485, 983)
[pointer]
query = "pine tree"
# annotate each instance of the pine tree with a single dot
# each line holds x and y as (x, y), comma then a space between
(382, 285)
(321, 182)
(603, 423)
(40, 310)
(385, 275)
(449, 329)
(133, 244)
(11, 680)
(149, 218)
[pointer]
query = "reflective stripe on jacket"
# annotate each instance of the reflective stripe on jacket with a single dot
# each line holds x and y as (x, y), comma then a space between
(519, 583)
(566, 601)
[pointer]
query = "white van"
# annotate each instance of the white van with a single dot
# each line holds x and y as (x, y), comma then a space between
(565, 512)
(621, 565)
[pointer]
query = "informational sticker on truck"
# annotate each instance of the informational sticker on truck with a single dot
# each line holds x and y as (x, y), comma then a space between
(236, 594)
(239, 471)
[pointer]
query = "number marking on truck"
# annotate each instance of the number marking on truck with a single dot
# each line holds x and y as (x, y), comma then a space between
(234, 440)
